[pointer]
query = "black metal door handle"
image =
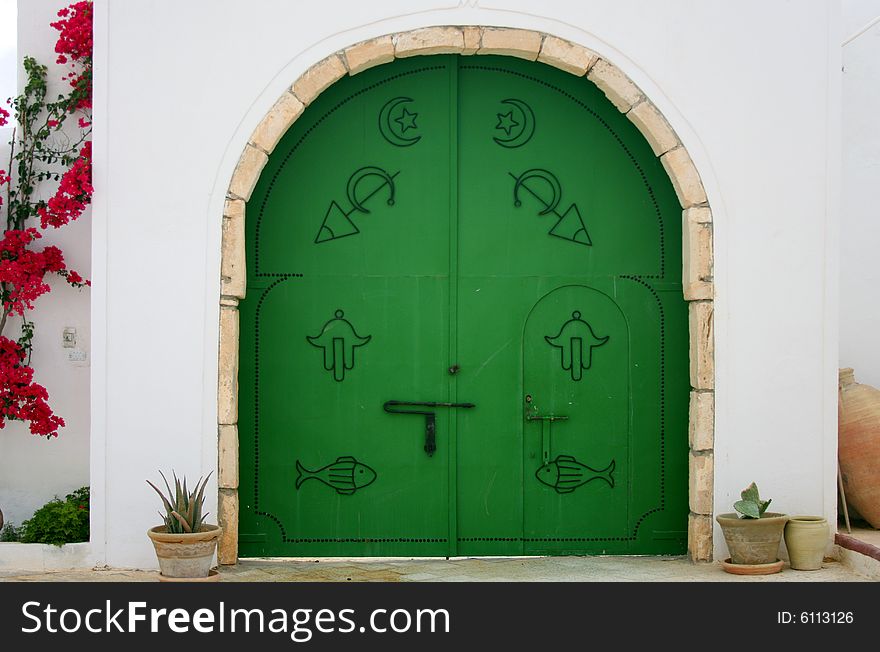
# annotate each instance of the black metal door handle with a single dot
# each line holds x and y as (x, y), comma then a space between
(398, 407)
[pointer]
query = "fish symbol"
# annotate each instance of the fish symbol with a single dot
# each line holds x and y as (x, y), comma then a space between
(346, 475)
(565, 474)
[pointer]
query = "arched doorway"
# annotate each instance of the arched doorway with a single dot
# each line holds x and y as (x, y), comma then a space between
(491, 247)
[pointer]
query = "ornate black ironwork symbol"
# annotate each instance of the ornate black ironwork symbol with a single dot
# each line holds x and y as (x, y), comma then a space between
(569, 225)
(576, 340)
(337, 223)
(565, 474)
(394, 124)
(346, 475)
(518, 124)
(339, 340)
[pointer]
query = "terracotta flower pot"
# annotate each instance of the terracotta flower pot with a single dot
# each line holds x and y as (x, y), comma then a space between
(806, 538)
(185, 555)
(752, 540)
(858, 446)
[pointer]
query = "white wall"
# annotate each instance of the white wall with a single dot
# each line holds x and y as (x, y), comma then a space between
(8, 55)
(181, 86)
(33, 469)
(860, 216)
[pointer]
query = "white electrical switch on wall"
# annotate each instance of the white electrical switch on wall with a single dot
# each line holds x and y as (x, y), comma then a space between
(68, 337)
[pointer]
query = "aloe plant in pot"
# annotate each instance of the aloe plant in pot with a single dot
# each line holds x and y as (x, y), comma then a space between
(752, 534)
(185, 544)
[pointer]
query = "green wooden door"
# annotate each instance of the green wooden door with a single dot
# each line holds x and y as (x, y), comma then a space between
(463, 231)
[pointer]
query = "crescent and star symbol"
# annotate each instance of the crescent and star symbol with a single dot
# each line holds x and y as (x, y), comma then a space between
(518, 124)
(395, 120)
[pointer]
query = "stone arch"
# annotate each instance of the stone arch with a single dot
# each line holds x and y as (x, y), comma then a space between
(697, 245)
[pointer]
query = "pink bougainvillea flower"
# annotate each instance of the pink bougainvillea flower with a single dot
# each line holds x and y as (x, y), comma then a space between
(21, 399)
(23, 270)
(74, 192)
(75, 45)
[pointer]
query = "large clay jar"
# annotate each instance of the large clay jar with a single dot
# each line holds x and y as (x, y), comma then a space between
(859, 446)
(806, 538)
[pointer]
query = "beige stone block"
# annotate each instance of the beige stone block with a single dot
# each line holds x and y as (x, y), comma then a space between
(684, 176)
(234, 209)
(699, 214)
(700, 529)
(702, 344)
(233, 273)
(227, 518)
(701, 482)
(654, 127)
(700, 261)
(699, 291)
(472, 37)
(698, 253)
(521, 43)
(697, 259)
(227, 382)
(227, 456)
(231, 302)
(567, 56)
(701, 421)
(317, 78)
(430, 40)
(246, 173)
(617, 87)
(276, 123)
(370, 53)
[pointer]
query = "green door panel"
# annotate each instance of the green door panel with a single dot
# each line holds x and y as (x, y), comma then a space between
(349, 307)
(571, 197)
(476, 230)
(337, 198)
(316, 404)
(576, 379)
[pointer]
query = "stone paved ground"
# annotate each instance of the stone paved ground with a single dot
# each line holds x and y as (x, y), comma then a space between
(534, 569)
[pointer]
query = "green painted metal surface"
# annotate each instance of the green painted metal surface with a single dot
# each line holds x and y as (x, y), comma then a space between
(463, 230)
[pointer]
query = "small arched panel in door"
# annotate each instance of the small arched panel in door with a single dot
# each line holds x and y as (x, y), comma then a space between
(596, 450)
(577, 432)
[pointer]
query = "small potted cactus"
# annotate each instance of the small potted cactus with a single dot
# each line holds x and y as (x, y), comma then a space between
(185, 544)
(752, 534)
